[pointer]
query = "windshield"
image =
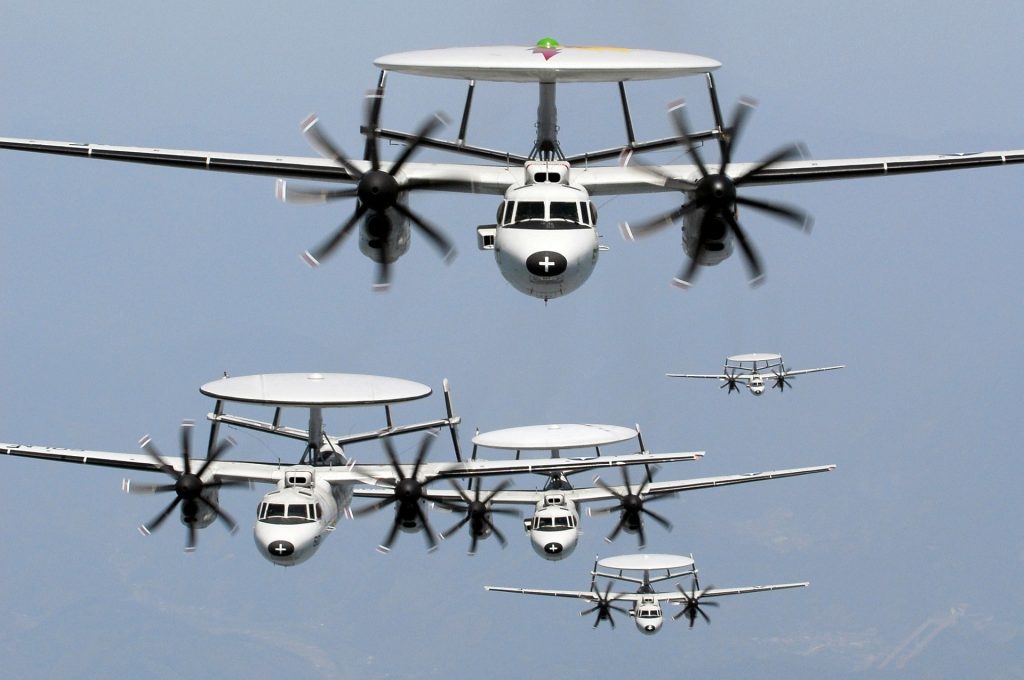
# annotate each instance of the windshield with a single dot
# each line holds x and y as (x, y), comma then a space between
(279, 513)
(560, 523)
(557, 215)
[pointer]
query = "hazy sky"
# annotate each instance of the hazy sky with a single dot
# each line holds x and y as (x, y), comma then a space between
(123, 288)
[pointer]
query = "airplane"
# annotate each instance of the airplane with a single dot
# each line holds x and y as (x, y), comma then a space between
(544, 238)
(554, 527)
(645, 605)
(751, 369)
(311, 496)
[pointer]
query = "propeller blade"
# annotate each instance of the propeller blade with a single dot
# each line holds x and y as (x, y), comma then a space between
(678, 116)
(326, 147)
(142, 489)
(427, 533)
(628, 159)
(314, 257)
(287, 192)
(458, 525)
(750, 255)
(497, 532)
(744, 107)
(685, 279)
(382, 503)
(186, 444)
(155, 523)
(799, 218)
(425, 130)
(784, 154)
(390, 539)
(150, 448)
(374, 99)
(439, 240)
(221, 514)
(219, 451)
(190, 543)
(657, 518)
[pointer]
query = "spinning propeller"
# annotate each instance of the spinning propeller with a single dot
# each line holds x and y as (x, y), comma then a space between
(730, 382)
(631, 505)
(188, 486)
(604, 606)
(378, 190)
(781, 382)
(692, 606)
(715, 194)
(407, 494)
(478, 514)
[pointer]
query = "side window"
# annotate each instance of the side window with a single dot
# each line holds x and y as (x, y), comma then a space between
(593, 213)
(500, 217)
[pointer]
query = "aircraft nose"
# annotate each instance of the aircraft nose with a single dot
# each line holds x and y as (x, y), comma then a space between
(546, 263)
(553, 548)
(649, 628)
(280, 549)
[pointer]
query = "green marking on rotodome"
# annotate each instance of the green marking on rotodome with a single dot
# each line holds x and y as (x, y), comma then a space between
(547, 43)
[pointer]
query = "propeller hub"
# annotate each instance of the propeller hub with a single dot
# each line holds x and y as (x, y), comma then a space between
(188, 486)
(716, 192)
(631, 504)
(378, 190)
(408, 491)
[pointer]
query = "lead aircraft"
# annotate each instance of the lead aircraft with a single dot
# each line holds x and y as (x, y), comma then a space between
(311, 496)
(544, 237)
(645, 605)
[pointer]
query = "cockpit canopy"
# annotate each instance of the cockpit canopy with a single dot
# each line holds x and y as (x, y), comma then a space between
(554, 523)
(547, 214)
(289, 513)
(649, 613)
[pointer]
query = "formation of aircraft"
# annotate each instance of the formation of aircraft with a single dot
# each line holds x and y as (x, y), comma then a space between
(544, 238)
(311, 496)
(645, 604)
(752, 370)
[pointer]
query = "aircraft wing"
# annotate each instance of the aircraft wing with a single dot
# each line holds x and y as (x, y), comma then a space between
(811, 370)
(742, 377)
(607, 180)
(662, 488)
(679, 598)
(545, 466)
(587, 595)
(479, 179)
(587, 494)
(225, 470)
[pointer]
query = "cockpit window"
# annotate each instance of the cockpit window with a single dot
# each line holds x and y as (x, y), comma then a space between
(558, 523)
(529, 210)
(279, 513)
(564, 211)
(648, 613)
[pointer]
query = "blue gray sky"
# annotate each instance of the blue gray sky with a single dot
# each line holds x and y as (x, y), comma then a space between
(123, 288)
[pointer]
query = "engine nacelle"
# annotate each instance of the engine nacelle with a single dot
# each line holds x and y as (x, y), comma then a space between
(382, 233)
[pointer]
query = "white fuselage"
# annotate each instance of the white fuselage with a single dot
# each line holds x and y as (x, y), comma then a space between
(545, 240)
(648, 616)
(554, 527)
(293, 520)
(756, 385)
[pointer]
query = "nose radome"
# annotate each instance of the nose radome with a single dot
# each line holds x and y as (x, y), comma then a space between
(280, 549)
(553, 548)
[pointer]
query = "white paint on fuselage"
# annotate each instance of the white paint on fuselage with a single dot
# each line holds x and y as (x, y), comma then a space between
(290, 540)
(545, 252)
(554, 527)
